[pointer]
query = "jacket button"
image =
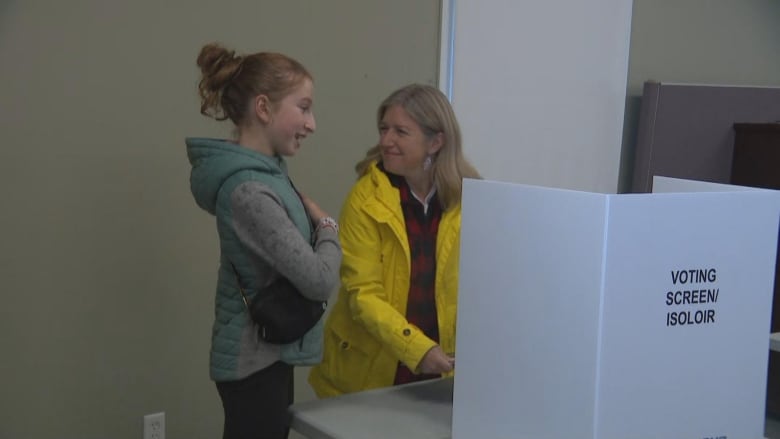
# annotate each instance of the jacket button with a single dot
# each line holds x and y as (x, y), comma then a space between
(344, 345)
(407, 332)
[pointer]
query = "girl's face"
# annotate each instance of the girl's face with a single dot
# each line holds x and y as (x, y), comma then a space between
(404, 145)
(292, 119)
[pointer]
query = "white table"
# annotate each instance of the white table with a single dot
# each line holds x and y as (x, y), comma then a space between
(412, 411)
(420, 410)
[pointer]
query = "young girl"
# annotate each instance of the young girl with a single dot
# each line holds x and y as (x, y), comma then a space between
(267, 230)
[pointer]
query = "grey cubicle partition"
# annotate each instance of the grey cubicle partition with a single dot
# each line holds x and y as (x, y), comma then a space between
(686, 130)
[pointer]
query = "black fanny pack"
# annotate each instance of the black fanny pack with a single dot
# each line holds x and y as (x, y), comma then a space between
(282, 314)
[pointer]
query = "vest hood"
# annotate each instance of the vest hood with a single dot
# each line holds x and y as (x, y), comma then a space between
(214, 161)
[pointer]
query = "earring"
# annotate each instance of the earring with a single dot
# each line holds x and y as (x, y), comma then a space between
(427, 163)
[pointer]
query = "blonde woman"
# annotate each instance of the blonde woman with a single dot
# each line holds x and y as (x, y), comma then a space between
(394, 321)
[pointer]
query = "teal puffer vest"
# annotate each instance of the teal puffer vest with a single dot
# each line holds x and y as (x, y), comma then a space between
(307, 350)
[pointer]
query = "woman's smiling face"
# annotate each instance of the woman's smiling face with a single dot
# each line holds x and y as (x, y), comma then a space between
(404, 145)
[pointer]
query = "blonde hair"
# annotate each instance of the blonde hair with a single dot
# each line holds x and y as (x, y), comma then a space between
(229, 81)
(431, 109)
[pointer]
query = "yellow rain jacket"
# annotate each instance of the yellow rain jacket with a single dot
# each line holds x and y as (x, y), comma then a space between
(367, 332)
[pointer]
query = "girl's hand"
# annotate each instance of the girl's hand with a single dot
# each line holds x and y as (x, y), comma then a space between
(314, 210)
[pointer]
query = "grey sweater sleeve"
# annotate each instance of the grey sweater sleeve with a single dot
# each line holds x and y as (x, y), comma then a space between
(275, 244)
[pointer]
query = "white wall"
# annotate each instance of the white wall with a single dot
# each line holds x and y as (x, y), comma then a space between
(538, 96)
(539, 88)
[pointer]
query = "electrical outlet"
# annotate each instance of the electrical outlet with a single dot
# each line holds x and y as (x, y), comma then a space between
(154, 426)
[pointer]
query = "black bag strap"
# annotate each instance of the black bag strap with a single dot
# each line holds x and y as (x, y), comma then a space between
(241, 289)
(308, 217)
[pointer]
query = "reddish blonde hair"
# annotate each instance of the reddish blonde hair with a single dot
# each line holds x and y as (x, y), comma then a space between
(229, 81)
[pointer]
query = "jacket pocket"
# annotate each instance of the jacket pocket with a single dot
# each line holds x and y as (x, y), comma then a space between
(350, 353)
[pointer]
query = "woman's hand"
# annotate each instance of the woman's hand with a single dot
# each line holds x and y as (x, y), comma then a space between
(436, 361)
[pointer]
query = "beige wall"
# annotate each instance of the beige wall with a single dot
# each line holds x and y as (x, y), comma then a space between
(107, 265)
(705, 41)
(702, 42)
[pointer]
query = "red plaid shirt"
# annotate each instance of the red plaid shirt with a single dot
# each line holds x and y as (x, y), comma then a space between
(421, 229)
